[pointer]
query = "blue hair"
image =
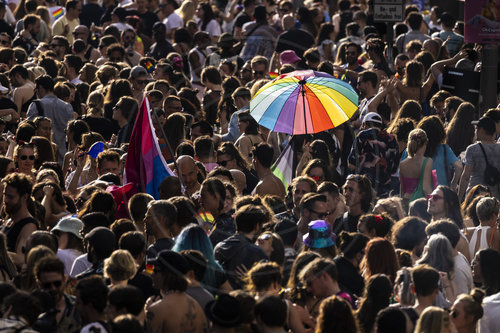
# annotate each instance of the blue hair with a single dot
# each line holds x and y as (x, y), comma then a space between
(193, 237)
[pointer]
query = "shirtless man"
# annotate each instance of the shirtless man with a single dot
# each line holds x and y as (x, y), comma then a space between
(262, 157)
(189, 173)
(24, 89)
(184, 313)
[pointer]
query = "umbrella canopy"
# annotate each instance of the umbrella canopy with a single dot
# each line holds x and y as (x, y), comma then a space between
(304, 102)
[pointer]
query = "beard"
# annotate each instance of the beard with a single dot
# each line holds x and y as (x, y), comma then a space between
(12, 208)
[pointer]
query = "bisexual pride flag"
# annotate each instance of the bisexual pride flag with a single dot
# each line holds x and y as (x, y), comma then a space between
(145, 165)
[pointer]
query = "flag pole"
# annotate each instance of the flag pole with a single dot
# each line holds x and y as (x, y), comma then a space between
(170, 150)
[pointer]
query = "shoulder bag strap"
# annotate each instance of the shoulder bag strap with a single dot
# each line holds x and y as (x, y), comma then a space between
(39, 107)
(484, 153)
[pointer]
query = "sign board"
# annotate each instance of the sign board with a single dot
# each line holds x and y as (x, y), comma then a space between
(482, 21)
(388, 10)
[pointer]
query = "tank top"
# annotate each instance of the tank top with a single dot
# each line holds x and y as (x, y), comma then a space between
(195, 78)
(14, 230)
(483, 242)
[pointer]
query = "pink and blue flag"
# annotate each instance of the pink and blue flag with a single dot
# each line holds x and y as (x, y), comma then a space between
(145, 165)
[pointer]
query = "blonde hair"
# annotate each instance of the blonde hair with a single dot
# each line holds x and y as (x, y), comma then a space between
(432, 320)
(186, 11)
(416, 140)
(120, 266)
(473, 303)
(95, 103)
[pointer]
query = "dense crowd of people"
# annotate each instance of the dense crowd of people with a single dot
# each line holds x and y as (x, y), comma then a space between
(389, 224)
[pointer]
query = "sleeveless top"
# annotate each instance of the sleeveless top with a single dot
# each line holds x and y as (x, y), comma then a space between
(26, 105)
(13, 232)
(483, 242)
(201, 55)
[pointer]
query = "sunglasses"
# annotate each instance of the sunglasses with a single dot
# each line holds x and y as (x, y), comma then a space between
(141, 81)
(24, 157)
(56, 284)
(320, 215)
(434, 197)
(261, 73)
(4, 42)
(454, 314)
(224, 163)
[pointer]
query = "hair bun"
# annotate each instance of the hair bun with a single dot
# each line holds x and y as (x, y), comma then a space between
(478, 295)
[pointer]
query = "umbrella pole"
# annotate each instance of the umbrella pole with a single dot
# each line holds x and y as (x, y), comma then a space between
(303, 82)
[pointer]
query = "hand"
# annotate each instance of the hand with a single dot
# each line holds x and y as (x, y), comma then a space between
(48, 190)
(80, 158)
(241, 271)
(150, 301)
(26, 34)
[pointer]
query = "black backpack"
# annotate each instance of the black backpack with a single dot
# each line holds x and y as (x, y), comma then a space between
(491, 174)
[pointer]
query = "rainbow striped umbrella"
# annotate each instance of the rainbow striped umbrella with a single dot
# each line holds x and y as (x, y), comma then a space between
(304, 102)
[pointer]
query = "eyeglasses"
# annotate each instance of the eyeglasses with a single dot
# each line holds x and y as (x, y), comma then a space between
(47, 285)
(434, 197)
(224, 163)
(24, 157)
(246, 70)
(320, 215)
(115, 59)
(284, 10)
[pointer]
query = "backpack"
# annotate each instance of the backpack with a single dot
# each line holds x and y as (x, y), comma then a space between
(491, 174)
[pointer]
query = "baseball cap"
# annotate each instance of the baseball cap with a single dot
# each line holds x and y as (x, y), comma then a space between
(486, 123)
(102, 239)
(372, 117)
(71, 225)
(170, 261)
(289, 57)
(137, 71)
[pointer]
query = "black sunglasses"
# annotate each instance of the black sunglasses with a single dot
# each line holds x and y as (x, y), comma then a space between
(4, 42)
(224, 163)
(24, 157)
(56, 284)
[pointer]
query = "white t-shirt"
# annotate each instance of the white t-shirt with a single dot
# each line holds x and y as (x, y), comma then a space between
(213, 28)
(80, 265)
(463, 275)
(68, 257)
(490, 323)
(173, 21)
